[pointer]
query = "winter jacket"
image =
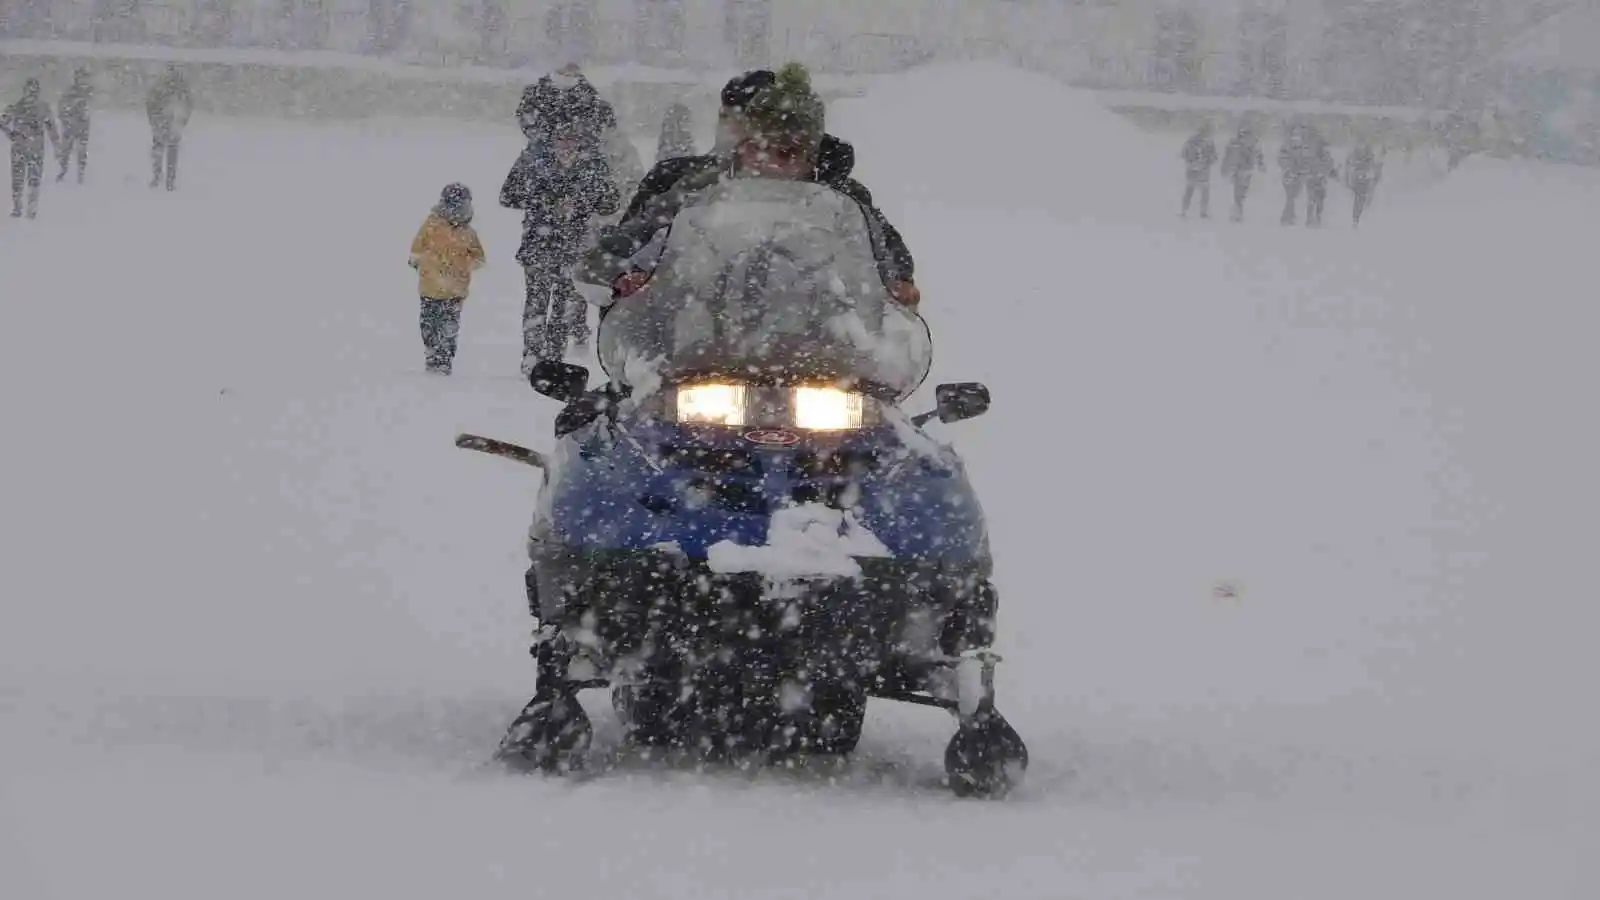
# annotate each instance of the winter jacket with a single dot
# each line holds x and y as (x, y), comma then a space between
(169, 107)
(557, 200)
(835, 161)
(1305, 157)
(1362, 169)
(74, 109)
(26, 123)
(1243, 158)
(445, 256)
(1199, 155)
(546, 103)
(617, 245)
(1322, 165)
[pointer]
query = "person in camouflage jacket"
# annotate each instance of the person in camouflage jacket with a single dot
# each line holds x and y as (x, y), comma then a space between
(561, 181)
(1199, 155)
(168, 107)
(74, 111)
(26, 123)
(1240, 162)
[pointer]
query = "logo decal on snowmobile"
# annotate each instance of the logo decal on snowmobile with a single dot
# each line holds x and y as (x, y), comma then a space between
(772, 437)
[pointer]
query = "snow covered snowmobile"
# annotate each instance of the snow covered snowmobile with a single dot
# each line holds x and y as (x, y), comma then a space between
(741, 534)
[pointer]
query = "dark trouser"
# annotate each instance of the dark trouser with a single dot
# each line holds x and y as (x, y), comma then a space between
(1363, 195)
(1316, 196)
(1202, 183)
(552, 306)
(75, 138)
(164, 150)
(1241, 190)
(27, 170)
(441, 323)
(1291, 192)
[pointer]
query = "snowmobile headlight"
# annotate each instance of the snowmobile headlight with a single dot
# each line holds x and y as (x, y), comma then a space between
(712, 404)
(826, 409)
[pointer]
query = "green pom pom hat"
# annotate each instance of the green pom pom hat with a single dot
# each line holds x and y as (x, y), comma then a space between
(788, 112)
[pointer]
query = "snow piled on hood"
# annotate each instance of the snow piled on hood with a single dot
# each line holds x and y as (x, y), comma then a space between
(810, 540)
(1001, 137)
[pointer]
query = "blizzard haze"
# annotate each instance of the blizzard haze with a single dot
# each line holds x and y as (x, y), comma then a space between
(263, 625)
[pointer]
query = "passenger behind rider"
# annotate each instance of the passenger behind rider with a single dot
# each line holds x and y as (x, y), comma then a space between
(832, 164)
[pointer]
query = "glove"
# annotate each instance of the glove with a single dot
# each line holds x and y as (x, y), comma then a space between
(629, 284)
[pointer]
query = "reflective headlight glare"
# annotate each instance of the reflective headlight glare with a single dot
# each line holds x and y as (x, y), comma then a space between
(826, 409)
(711, 404)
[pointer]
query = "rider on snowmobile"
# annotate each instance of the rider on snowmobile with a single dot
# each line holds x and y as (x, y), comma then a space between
(776, 132)
(834, 161)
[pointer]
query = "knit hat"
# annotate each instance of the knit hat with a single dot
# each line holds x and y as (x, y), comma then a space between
(740, 89)
(455, 204)
(788, 112)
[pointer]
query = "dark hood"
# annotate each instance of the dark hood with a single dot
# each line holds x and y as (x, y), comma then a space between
(836, 159)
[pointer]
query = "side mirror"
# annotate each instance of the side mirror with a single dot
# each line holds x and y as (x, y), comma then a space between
(957, 403)
(559, 380)
(590, 406)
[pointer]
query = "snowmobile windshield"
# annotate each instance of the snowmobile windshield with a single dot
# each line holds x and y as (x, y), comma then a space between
(768, 281)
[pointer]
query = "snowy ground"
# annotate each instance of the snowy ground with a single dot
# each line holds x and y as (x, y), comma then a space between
(262, 622)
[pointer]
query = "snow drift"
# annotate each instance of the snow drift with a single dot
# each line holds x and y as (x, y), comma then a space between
(989, 137)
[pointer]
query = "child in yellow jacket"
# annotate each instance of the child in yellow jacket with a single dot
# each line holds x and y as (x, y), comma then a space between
(445, 253)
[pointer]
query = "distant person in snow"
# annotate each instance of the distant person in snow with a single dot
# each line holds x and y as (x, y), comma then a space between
(1363, 169)
(26, 123)
(445, 252)
(1306, 165)
(677, 136)
(834, 164)
(1319, 169)
(1460, 135)
(1240, 162)
(561, 182)
(1199, 155)
(168, 108)
(74, 111)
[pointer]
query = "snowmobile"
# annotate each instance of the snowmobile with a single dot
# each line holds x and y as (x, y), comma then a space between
(741, 533)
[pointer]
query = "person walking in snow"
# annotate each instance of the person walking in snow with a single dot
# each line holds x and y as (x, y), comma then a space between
(1319, 169)
(567, 98)
(1199, 155)
(1460, 134)
(168, 107)
(26, 123)
(561, 182)
(1240, 162)
(1362, 172)
(445, 252)
(1306, 165)
(74, 110)
(677, 138)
